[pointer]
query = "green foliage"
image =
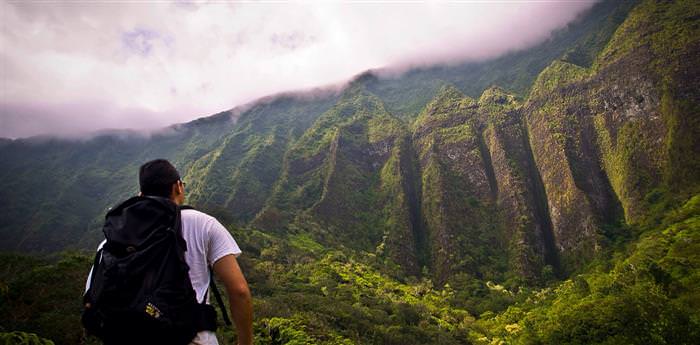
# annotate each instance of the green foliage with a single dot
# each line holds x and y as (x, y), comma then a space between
(650, 296)
(585, 52)
(283, 331)
(43, 297)
(647, 294)
(306, 243)
(667, 27)
(22, 338)
(557, 74)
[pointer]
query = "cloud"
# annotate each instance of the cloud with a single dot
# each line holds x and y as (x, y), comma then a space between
(79, 119)
(90, 65)
(142, 41)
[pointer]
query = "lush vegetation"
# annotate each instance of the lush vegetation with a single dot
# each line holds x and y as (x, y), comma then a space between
(644, 292)
(17, 337)
(647, 293)
(43, 296)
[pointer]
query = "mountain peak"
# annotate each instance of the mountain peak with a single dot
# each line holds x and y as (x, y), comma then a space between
(364, 78)
(497, 96)
(448, 100)
(448, 91)
(557, 74)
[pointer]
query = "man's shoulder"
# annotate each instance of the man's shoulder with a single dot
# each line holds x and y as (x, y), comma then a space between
(199, 219)
(191, 213)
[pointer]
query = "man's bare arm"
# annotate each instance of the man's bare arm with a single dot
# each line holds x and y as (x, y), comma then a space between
(240, 300)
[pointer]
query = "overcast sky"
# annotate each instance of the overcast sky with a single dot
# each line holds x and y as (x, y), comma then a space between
(78, 66)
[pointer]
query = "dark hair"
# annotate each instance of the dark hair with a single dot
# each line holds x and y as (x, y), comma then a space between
(156, 178)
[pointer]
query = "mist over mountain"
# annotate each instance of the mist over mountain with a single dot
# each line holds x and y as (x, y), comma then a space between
(549, 195)
(77, 67)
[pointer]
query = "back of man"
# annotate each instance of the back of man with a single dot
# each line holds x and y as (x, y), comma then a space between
(209, 246)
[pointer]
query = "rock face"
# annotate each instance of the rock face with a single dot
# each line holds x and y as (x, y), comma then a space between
(565, 153)
(646, 105)
(606, 139)
(331, 182)
(521, 195)
(458, 190)
(484, 208)
(237, 177)
(404, 239)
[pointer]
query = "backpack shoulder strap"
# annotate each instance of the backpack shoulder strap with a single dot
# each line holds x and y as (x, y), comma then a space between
(217, 296)
(212, 284)
(92, 276)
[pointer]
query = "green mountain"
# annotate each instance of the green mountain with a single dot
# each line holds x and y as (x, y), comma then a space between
(410, 206)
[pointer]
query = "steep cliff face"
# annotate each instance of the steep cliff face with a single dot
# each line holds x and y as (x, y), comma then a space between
(562, 145)
(458, 193)
(331, 185)
(483, 206)
(404, 239)
(462, 224)
(462, 193)
(545, 183)
(521, 196)
(647, 105)
(235, 179)
(607, 140)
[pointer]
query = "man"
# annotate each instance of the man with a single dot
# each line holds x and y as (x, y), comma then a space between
(208, 244)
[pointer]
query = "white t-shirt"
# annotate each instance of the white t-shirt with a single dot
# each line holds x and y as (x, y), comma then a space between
(207, 242)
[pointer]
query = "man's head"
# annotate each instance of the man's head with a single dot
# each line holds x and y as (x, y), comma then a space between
(160, 178)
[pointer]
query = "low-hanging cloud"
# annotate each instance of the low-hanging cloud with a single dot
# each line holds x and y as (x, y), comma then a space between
(72, 67)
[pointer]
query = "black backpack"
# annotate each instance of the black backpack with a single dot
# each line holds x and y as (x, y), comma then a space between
(140, 290)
